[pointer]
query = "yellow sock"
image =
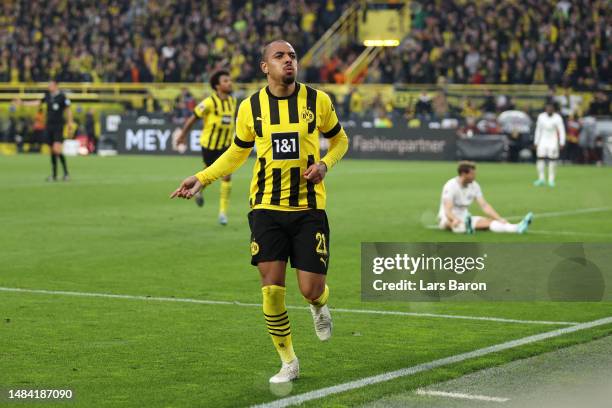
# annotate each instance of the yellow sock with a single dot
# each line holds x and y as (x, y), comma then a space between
(226, 189)
(277, 320)
(321, 300)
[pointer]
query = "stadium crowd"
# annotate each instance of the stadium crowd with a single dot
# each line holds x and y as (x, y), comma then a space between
(558, 42)
(150, 41)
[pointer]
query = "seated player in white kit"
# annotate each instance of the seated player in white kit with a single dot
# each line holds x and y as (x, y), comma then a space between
(459, 193)
(549, 139)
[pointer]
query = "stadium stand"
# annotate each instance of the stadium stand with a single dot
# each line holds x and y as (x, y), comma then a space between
(496, 42)
(460, 65)
(153, 41)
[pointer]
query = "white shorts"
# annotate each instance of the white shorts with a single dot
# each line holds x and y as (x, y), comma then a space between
(443, 222)
(548, 152)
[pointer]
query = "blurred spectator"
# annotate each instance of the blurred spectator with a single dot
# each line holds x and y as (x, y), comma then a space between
(489, 104)
(514, 146)
(489, 125)
(600, 106)
(423, 109)
(572, 151)
(353, 103)
(469, 110)
(382, 119)
(509, 42)
(469, 129)
(567, 103)
(441, 108)
(90, 130)
(151, 105)
(145, 41)
(38, 128)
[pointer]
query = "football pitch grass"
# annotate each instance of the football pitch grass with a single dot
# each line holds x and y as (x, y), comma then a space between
(112, 230)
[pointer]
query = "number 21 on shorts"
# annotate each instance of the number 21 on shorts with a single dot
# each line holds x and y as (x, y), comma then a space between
(321, 244)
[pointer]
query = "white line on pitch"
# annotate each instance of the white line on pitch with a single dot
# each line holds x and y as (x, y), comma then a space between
(225, 302)
(549, 214)
(409, 371)
(594, 234)
(562, 213)
(461, 396)
(543, 232)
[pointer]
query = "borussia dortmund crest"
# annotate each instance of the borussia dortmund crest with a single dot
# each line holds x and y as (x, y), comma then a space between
(307, 115)
(254, 248)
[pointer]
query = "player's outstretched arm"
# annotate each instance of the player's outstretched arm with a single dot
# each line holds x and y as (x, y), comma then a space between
(36, 102)
(227, 163)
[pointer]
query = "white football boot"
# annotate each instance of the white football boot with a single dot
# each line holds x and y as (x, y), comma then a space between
(288, 372)
(322, 321)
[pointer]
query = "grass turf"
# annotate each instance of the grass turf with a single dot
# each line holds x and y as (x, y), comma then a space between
(113, 230)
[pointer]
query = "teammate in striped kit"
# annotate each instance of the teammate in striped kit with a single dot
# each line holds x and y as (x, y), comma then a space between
(218, 112)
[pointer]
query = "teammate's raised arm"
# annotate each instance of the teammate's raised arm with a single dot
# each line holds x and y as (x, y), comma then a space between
(186, 128)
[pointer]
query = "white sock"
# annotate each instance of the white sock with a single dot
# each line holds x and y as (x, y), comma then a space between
(541, 166)
(498, 226)
(552, 165)
(459, 229)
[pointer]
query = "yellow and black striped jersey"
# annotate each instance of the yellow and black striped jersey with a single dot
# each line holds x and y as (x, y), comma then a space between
(285, 132)
(218, 115)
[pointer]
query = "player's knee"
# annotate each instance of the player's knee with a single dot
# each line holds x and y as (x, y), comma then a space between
(312, 291)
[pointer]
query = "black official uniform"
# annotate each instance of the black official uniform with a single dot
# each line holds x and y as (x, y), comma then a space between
(56, 105)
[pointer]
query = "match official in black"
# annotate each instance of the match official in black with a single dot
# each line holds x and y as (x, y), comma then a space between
(57, 102)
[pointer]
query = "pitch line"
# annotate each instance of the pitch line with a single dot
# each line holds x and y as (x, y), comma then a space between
(236, 303)
(461, 396)
(563, 213)
(590, 234)
(549, 214)
(544, 232)
(409, 371)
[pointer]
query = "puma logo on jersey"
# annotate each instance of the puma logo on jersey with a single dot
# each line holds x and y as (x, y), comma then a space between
(324, 261)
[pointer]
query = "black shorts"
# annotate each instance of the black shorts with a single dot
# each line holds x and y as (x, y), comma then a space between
(209, 156)
(54, 134)
(302, 236)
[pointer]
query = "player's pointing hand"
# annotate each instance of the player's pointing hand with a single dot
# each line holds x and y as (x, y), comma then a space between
(188, 188)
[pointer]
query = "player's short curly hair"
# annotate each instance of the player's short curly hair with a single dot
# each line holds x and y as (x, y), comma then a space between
(216, 78)
(465, 166)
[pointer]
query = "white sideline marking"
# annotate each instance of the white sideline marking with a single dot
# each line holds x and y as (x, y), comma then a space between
(549, 214)
(225, 302)
(594, 234)
(461, 396)
(544, 232)
(405, 372)
(562, 213)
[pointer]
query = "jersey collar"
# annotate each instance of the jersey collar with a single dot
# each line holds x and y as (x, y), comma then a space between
(295, 92)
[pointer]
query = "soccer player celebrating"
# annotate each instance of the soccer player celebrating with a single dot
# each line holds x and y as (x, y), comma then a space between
(218, 112)
(288, 219)
(57, 102)
(459, 193)
(549, 139)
